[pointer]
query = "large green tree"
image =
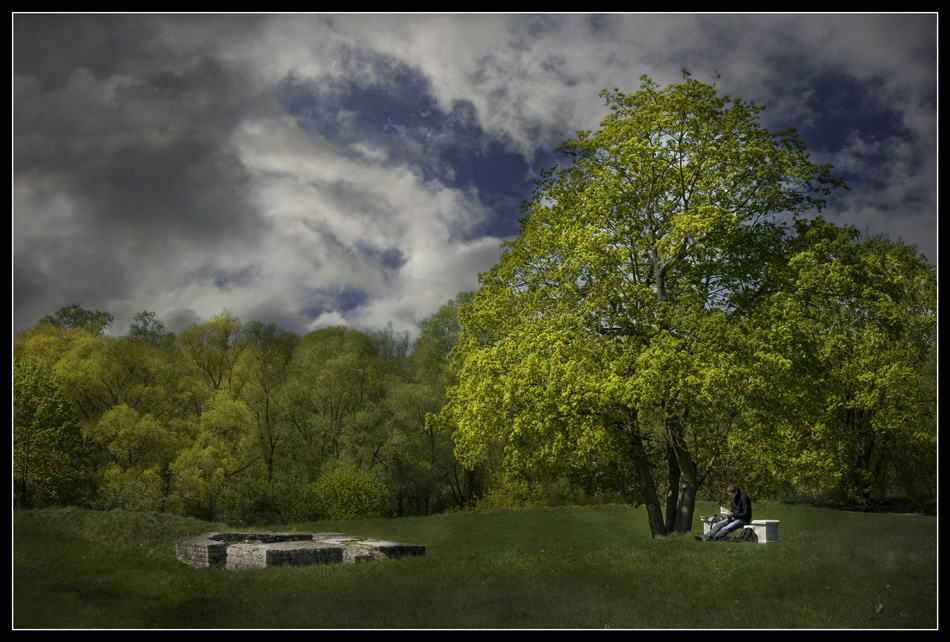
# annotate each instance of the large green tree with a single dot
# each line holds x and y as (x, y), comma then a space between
(615, 334)
(146, 327)
(432, 377)
(137, 402)
(333, 402)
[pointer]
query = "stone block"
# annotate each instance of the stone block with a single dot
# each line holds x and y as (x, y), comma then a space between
(238, 551)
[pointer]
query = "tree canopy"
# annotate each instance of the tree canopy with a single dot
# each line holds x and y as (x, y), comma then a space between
(75, 316)
(48, 445)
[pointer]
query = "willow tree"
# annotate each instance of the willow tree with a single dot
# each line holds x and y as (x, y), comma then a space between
(615, 334)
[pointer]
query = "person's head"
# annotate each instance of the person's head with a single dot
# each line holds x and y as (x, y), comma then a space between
(732, 490)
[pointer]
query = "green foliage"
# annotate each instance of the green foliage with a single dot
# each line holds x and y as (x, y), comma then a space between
(439, 334)
(614, 333)
(214, 348)
(333, 404)
(49, 450)
(73, 316)
(223, 447)
(349, 493)
(262, 372)
(860, 324)
(146, 327)
(307, 506)
(421, 468)
(511, 492)
(248, 501)
(133, 438)
(134, 489)
(45, 343)
(241, 418)
(651, 334)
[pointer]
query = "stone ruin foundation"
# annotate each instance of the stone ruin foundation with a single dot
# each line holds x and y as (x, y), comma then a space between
(240, 551)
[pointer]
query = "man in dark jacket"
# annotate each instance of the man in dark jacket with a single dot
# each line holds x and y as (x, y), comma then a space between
(739, 515)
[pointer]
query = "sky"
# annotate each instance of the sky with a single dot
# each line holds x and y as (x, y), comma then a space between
(332, 169)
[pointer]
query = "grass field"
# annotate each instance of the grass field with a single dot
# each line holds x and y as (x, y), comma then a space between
(571, 567)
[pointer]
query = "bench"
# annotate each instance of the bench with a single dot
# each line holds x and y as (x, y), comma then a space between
(708, 521)
(766, 530)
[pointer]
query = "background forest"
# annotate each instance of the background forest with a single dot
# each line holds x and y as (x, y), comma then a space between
(235, 421)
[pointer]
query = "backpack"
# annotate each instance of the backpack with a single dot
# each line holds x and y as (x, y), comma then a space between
(747, 535)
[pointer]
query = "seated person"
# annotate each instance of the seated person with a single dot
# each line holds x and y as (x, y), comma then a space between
(739, 515)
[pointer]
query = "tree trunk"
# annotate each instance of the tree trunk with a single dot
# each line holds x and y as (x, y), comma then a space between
(672, 489)
(651, 501)
(685, 509)
(645, 483)
(683, 522)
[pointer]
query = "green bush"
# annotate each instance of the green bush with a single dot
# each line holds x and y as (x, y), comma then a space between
(248, 501)
(306, 507)
(512, 492)
(348, 493)
(134, 490)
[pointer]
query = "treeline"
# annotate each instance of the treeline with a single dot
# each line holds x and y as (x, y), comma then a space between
(232, 421)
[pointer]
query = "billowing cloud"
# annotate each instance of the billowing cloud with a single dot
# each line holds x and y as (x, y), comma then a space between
(322, 169)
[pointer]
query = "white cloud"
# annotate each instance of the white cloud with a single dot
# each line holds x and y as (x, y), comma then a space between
(329, 210)
(158, 166)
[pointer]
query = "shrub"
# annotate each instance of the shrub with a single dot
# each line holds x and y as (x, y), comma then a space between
(511, 492)
(134, 490)
(349, 493)
(248, 501)
(306, 507)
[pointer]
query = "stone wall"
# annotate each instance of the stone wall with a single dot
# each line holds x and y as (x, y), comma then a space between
(260, 555)
(239, 551)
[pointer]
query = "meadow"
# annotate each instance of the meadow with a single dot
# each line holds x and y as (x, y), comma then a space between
(568, 567)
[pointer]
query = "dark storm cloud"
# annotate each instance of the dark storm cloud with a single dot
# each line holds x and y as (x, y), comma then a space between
(140, 163)
(49, 46)
(150, 151)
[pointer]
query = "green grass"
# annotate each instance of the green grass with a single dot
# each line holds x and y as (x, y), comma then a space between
(572, 567)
